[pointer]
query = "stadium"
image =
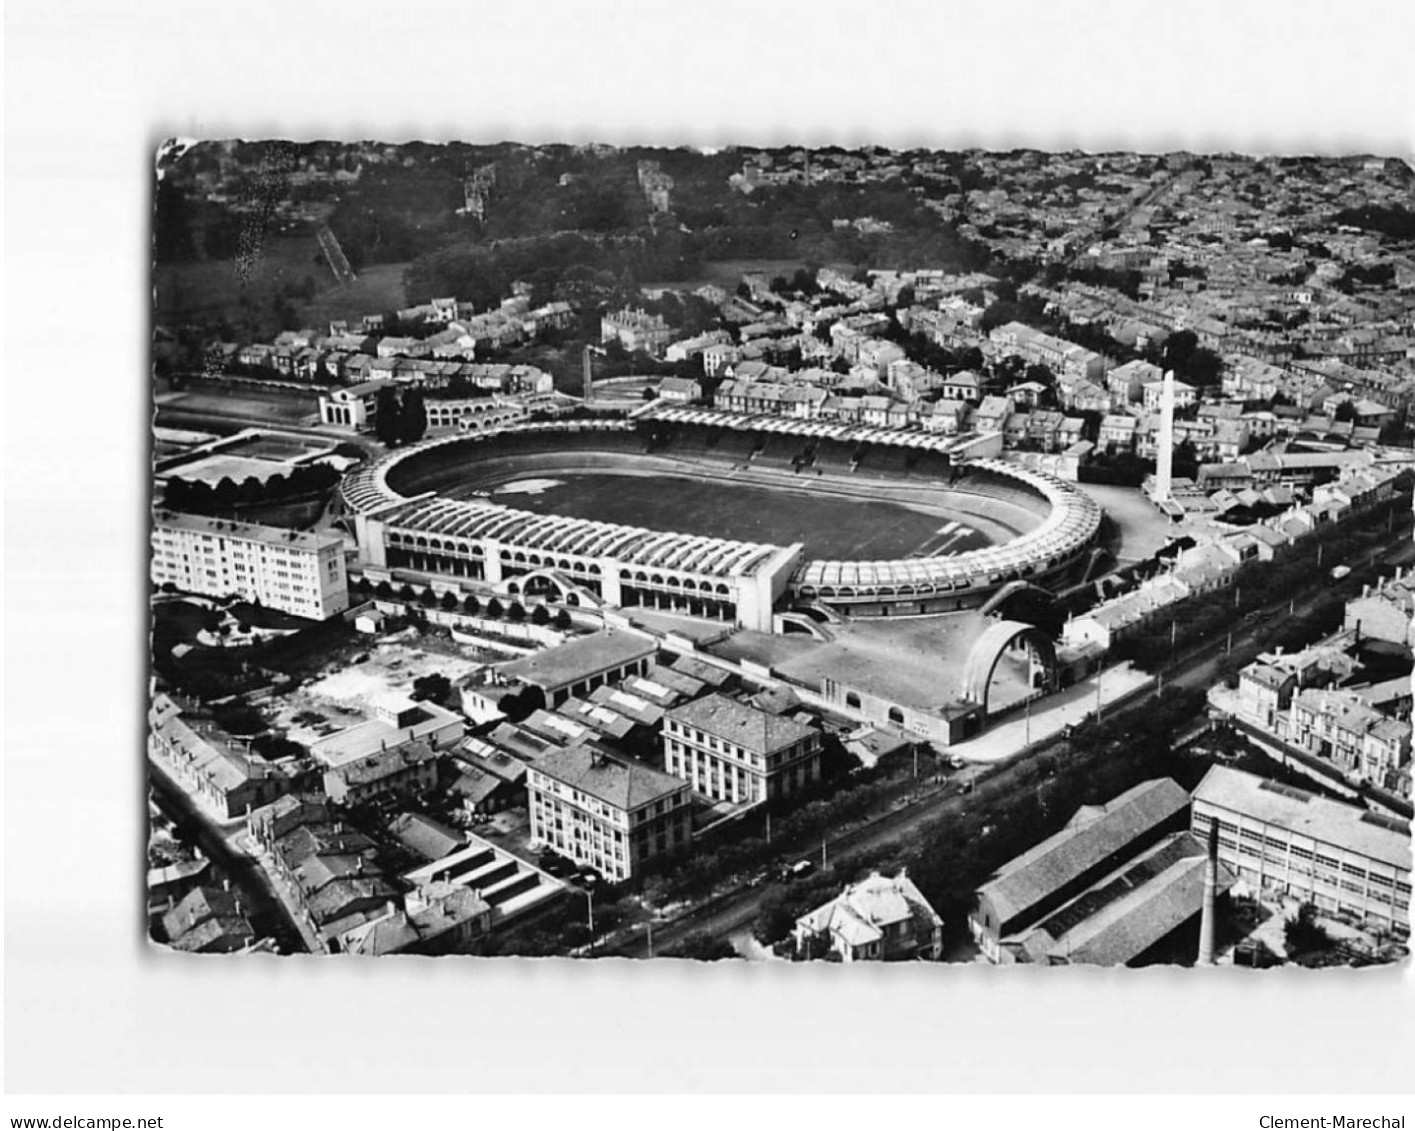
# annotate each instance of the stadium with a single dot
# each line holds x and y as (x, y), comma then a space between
(709, 514)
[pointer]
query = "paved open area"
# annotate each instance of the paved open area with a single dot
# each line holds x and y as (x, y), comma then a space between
(1143, 529)
(913, 660)
(1050, 716)
(340, 698)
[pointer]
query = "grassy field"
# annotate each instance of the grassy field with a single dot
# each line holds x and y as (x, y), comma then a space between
(829, 525)
(197, 293)
(376, 289)
(728, 272)
(275, 407)
(210, 291)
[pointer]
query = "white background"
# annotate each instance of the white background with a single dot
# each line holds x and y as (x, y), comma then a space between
(90, 88)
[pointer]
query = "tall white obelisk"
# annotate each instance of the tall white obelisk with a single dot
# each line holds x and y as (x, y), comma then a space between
(1164, 474)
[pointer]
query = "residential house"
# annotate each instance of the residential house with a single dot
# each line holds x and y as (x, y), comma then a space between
(879, 919)
(407, 770)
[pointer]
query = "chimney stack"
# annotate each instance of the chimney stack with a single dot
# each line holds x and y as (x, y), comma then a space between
(1206, 920)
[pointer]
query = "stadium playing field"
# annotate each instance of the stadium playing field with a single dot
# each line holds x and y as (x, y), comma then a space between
(830, 525)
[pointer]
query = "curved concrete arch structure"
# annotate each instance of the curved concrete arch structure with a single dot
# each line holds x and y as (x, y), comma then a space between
(988, 649)
(566, 590)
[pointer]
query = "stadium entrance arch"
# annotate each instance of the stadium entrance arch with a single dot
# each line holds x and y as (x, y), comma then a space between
(987, 652)
(551, 584)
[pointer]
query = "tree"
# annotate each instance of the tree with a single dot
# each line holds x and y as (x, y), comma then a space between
(383, 590)
(470, 604)
(704, 948)
(494, 608)
(562, 620)
(520, 704)
(1345, 411)
(998, 314)
(250, 492)
(517, 611)
(1303, 934)
(450, 602)
(387, 424)
(774, 922)
(412, 421)
(1178, 348)
(435, 686)
(240, 719)
(541, 615)
(226, 494)
(1041, 374)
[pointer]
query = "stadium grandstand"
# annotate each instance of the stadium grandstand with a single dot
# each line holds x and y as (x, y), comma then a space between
(406, 523)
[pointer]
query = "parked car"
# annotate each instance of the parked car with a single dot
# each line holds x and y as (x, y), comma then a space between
(556, 865)
(589, 877)
(797, 870)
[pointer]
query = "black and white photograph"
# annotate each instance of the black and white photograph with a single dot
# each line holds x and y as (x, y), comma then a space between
(766, 564)
(782, 554)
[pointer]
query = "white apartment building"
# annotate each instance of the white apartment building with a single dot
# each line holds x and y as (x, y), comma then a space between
(290, 570)
(608, 813)
(731, 751)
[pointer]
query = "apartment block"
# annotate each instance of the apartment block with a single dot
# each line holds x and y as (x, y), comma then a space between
(290, 570)
(609, 813)
(731, 751)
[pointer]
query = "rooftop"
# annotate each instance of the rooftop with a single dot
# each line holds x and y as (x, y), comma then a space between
(1094, 834)
(383, 763)
(1308, 814)
(373, 735)
(622, 784)
(246, 531)
(580, 658)
(740, 723)
(862, 912)
(1120, 917)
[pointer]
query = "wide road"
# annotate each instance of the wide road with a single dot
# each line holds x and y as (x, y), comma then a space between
(732, 910)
